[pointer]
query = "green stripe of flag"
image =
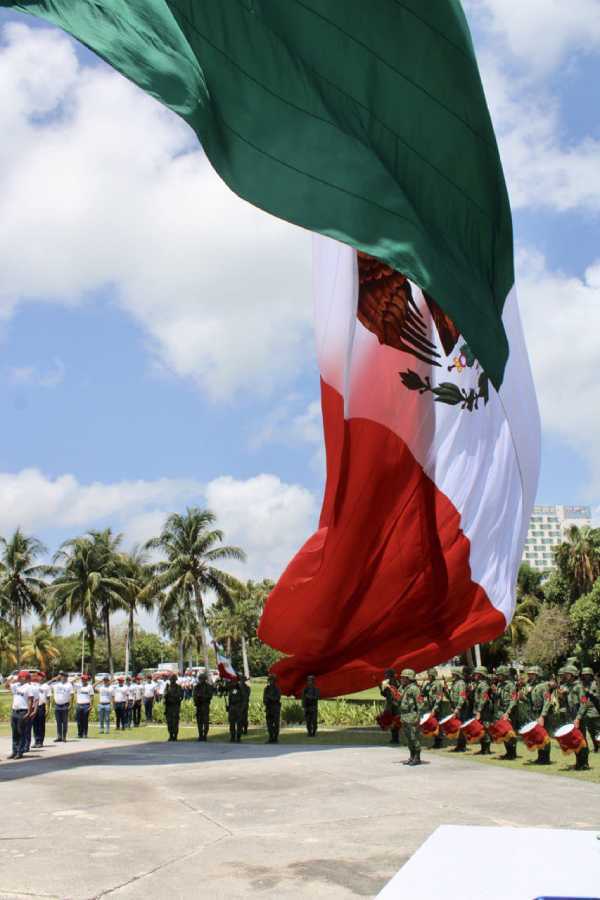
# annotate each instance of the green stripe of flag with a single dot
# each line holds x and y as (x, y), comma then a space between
(365, 121)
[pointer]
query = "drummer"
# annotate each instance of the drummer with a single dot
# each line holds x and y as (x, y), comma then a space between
(506, 699)
(459, 704)
(482, 706)
(592, 718)
(436, 701)
(541, 707)
(390, 689)
(577, 706)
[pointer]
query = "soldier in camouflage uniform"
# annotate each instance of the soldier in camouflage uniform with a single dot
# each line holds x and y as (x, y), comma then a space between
(592, 719)
(390, 690)
(482, 705)
(435, 700)
(245, 689)
(410, 712)
(172, 699)
(272, 703)
(506, 700)
(541, 707)
(577, 705)
(310, 705)
(459, 702)
(202, 695)
(235, 711)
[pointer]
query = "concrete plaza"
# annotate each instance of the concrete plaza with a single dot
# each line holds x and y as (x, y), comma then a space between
(139, 821)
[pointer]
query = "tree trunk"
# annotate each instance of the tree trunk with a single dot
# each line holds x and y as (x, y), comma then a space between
(228, 645)
(91, 637)
(245, 658)
(129, 645)
(181, 662)
(202, 622)
(111, 667)
(18, 637)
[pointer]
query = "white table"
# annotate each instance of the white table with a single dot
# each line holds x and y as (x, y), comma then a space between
(460, 862)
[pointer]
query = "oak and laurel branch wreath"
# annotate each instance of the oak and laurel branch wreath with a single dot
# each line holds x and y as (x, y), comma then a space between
(447, 392)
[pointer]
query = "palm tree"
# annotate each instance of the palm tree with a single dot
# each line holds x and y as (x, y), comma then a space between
(89, 585)
(523, 620)
(192, 547)
(21, 581)
(8, 650)
(137, 573)
(578, 557)
(178, 619)
(39, 648)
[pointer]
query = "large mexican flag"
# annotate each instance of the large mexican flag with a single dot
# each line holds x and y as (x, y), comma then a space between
(366, 123)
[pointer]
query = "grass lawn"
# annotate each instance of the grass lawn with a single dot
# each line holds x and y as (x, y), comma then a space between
(345, 737)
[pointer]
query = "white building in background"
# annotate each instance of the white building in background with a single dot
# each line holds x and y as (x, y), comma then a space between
(546, 529)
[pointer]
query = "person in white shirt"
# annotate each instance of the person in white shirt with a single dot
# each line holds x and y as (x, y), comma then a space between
(161, 685)
(149, 695)
(120, 698)
(138, 693)
(39, 720)
(85, 701)
(129, 705)
(62, 694)
(105, 696)
(22, 711)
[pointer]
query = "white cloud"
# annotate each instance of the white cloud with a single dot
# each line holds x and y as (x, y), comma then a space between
(34, 376)
(267, 517)
(101, 185)
(561, 317)
(540, 33)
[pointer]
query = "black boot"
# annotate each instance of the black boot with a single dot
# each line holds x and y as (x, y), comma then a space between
(416, 760)
(596, 745)
(438, 742)
(409, 761)
(395, 738)
(582, 760)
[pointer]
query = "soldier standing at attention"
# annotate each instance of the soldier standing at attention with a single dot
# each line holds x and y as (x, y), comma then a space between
(272, 703)
(245, 689)
(85, 700)
(592, 718)
(436, 702)
(506, 707)
(540, 707)
(410, 709)
(173, 696)
(482, 705)
(62, 694)
(202, 695)
(39, 721)
(310, 704)
(235, 711)
(138, 693)
(577, 705)
(390, 689)
(22, 710)
(459, 703)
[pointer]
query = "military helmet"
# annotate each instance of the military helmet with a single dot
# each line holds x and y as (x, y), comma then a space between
(534, 670)
(587, 671)
(408, 673)
(502, 670)
(480, 670)
(458, 670)
(569, 670)
(432, 673)
(390, 673)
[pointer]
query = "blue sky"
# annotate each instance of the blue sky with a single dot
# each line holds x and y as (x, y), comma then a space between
(155, 332)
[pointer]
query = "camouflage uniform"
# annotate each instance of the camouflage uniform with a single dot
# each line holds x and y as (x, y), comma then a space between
(540, 705)
(272, 703)
(202, 695)
(390, 690)
(435, 700)
(172, 699)
(459, 702)
(591, 723)
(506, 704)
(410, 711)
(245, 688)
(482, 705)
(235, 711)
(577, 705)
(310, 704)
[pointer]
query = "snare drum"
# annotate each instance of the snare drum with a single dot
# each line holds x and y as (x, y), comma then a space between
(570, 739)
(535, 736)
(429, 725)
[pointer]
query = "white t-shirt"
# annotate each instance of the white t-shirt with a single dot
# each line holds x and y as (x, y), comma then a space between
(21, 694)
(149, 690)
(105, 693)
(130, 688)
(138, 691)
(85, 692)
(62, 692)
(160, 686)
(120, 693)
(43, 693)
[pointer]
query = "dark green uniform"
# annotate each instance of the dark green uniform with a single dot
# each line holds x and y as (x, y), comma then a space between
(310, 705)
(482, 705)
(390, 689)
(459, 706)
(410, 712)
(506, 700)
(591, 722)
(578, 704)
(172, 699)
(541, 704)
(245, 688)
(202, 695)
(436, 701)
(236, 700)
(272, 704)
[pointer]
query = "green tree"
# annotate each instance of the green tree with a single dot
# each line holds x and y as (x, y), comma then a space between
(88, 584)
(8, 649)
(559, 590)
(178, 619)
(137, 573)
(550, 638)
(150, 649)
(192, 548)
(40, 649)
(578, 558)
(22, 582)
(585, 619)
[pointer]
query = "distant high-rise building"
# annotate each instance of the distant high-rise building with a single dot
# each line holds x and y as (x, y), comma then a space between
(546, 529)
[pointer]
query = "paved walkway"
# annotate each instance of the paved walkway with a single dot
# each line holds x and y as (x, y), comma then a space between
(138, 821)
